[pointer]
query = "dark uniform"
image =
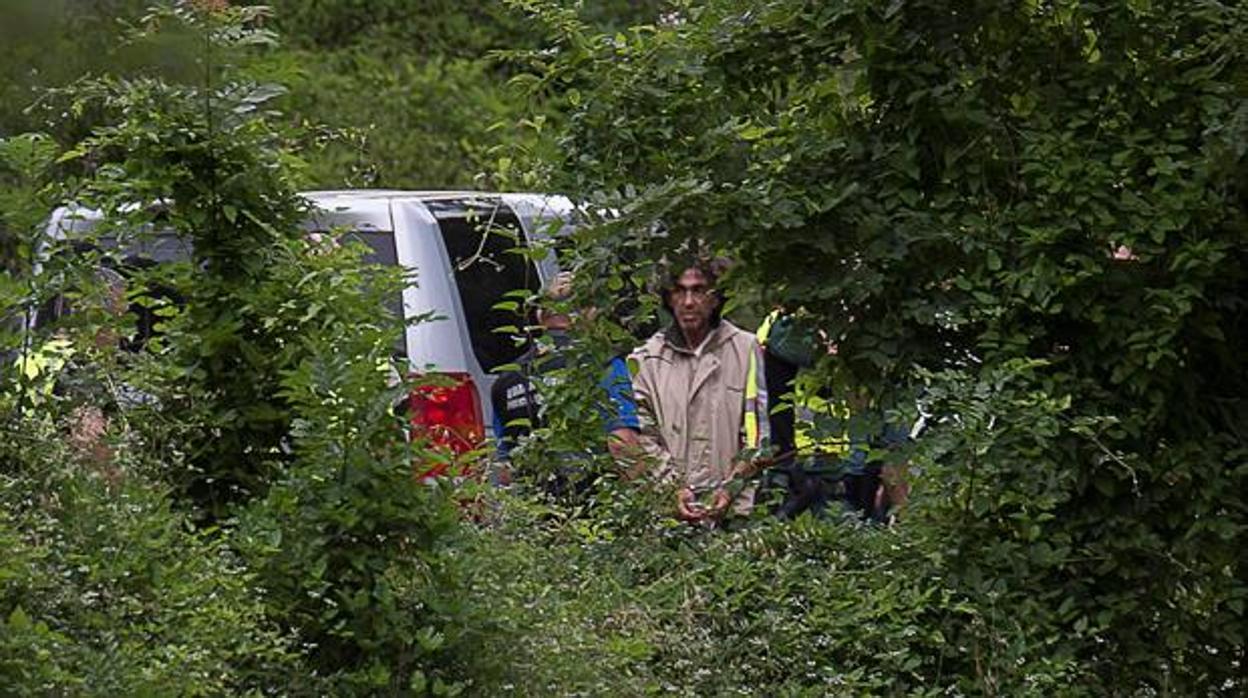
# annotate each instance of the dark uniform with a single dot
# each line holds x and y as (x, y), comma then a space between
(517, 400)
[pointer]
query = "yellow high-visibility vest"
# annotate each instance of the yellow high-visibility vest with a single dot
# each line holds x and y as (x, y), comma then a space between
(42, 366)
(806, 405)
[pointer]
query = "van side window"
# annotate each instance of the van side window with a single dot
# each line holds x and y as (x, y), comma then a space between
(480, 238)
(134, 276)
(380, 242)
(384, 253)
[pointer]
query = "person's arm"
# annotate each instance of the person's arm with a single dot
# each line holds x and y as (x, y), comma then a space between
(656, 458)
(623, 425)
(894, 490)
(755, 432)
(755, 427)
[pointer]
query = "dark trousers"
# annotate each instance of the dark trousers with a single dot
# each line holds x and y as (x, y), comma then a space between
(793, 488)
(779, 375)
(860, 492)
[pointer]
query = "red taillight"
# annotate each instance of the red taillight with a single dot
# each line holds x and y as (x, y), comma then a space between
(447, 411)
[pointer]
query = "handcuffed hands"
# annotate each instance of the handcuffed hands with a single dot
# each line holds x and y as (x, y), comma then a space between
(688, 508)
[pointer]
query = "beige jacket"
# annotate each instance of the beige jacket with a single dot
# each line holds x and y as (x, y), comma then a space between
(700, 407)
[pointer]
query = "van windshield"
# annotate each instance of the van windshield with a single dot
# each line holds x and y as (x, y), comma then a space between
(163, 247)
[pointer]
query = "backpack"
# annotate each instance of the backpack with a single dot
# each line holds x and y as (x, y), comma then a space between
(794, 340)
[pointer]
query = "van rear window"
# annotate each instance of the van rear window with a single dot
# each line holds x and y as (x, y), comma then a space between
(481, 239)
(380, 242)
(382, 252)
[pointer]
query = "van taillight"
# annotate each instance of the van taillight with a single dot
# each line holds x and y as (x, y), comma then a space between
(448, 413)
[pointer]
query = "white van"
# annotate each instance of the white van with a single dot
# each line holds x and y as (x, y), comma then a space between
(460, 245)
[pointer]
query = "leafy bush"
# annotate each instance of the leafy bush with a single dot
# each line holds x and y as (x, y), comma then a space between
(621, 603)
(1028, 219)
(1033, 215)
(104, 589)
(348, 543)
(420, 88)
(428, 124)
(212, 157)
(267, 418)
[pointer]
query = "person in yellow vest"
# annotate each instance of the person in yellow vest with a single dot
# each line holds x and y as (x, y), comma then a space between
(74, 372)
(790, 344)
(813, 471)
(701, 399)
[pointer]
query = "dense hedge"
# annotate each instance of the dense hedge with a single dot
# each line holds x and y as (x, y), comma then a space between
(1030, 218)
(249, 523)
(106, 590)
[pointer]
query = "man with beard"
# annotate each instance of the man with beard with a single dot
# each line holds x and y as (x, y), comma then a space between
(702, 399)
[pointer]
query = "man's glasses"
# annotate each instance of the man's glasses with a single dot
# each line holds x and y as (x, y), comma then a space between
(695, 293)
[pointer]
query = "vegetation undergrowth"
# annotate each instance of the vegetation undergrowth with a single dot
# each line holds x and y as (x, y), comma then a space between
(1024, 222)
(249, 447)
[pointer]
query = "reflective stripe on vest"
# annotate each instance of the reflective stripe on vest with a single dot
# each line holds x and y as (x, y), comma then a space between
(751, 403)
(764, 330)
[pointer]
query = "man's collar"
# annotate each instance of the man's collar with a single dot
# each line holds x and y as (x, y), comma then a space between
(673, 336)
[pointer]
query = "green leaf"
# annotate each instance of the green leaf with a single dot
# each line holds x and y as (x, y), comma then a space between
(18, 620)
(994, 260)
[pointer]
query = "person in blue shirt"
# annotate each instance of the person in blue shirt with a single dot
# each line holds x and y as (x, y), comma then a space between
(517, 399)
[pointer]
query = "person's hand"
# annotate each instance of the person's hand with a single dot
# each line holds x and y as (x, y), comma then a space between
(893, 491)
(625, 446)
(894, 485)
(87, 431)
(719, 506)
(687, 506)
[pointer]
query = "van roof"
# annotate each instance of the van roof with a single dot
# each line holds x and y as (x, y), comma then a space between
(364, 204)
(417, 195)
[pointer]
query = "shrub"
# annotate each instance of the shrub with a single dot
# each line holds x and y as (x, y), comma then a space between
(104, 589)
(261, 494)
(592, 605)
(1033, 215)
(349, 544)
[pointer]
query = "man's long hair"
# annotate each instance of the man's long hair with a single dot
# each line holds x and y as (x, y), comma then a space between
(689, 256)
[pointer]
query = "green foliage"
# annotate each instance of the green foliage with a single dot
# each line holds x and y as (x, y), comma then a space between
(413, 83)
(46, 44)
(1041, 205)
(39, 50)
(419, 86)
(265, 416)
(427, 124)
(598, 606)
(24, 200)
(1027, 218)
(347, 543)
(213, 158)
(104, 589)
(437, 28)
